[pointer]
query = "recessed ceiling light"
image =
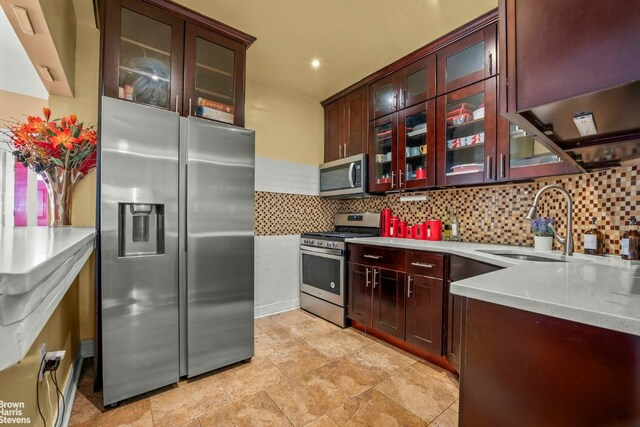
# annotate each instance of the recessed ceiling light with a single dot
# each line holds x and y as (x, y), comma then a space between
(315, 63)
(23, 19)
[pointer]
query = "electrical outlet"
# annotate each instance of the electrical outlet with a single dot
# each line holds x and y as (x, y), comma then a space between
(43, 352)
(52, 360)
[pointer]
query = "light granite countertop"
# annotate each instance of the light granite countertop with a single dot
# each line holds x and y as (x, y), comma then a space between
(37, 267)
(598, 291)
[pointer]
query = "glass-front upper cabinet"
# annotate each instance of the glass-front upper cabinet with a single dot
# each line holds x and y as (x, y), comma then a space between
(416, 153)
(158, 54)
(212, 83)
(408, 86)
(521, 156)
(467, 134)
(467, 61)
(148, 51)
(383, 170)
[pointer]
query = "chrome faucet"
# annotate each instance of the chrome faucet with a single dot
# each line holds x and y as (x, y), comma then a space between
(566, 242)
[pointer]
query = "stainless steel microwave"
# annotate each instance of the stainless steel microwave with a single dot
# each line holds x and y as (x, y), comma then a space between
(344, 178)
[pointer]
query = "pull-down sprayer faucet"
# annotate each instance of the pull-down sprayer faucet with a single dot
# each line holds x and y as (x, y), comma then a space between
(566, 242)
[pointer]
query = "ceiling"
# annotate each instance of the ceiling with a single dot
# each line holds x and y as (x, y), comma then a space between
(21, 76)
(351, 38)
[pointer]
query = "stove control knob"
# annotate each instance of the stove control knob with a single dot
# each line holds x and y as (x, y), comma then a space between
(334, 244)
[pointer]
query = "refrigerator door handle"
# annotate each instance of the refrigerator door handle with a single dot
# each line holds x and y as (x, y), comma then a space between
(186, 205)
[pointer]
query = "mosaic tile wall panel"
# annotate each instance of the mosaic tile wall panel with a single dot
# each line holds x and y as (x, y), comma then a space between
(486, 215)
(284, 213)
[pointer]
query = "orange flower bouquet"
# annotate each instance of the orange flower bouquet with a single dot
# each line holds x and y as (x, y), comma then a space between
(61, 150)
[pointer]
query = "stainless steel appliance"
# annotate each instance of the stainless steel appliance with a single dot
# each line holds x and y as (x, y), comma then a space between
(323, 257)
(344, 178)
(176, 247)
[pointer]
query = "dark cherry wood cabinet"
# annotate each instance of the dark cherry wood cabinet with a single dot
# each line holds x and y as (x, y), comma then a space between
(346, 126)
(460, 268)
(160, 54)
(387, 314)
(416, 146)
(527, 369)
(466, 135)
(383, 152)
(404, 88)
(425, 301)
(359, 298)
(467, 61)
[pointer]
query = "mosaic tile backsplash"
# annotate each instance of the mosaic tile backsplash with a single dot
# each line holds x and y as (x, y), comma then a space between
(485, 214)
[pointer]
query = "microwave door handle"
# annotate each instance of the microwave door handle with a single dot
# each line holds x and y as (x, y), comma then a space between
(351, 167)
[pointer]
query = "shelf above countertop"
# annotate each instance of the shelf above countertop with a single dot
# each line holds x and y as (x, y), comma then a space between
(37, 267)
(594, 290)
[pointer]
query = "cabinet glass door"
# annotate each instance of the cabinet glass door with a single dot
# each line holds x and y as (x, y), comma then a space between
(417, 164)
(418, 81)
(211, 66)
(383, 97)
(214, 96)
(467, 138)
(383, 174)
(467, 61)
(525, 157)
(144, 70)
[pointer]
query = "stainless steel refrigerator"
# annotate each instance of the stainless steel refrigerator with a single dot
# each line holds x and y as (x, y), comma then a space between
(176, 247)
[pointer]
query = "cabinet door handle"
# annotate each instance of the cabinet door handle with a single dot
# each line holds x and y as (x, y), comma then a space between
(502, 166)
(393, 179)
(421, 264)
(409, 279)
(176, 103)
(374, 277)
(367, 282)
(395, 101)
(189, 107)
(490, 63)
(373, 256)
(400, 179)
(402, 98)
(488, 167)
(345, 150)
(340, 151)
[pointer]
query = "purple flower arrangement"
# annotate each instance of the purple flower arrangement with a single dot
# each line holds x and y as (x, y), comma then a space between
(542, 226)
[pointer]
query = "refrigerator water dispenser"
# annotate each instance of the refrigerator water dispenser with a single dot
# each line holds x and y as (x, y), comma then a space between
(140, 229)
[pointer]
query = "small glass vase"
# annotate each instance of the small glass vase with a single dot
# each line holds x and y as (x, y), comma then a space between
(61, 184)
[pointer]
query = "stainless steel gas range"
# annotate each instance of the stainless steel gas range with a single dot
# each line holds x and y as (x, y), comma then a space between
(323, 271)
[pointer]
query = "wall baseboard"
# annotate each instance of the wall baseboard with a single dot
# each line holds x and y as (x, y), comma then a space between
(278, 307)
(86, 348)
(71, 386)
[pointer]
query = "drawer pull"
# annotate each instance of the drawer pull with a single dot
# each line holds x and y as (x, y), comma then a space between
(409, 286)
(374, 278)
(373, 256)
(421, 264)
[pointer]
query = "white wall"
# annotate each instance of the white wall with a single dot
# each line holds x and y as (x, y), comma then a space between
(277, 258)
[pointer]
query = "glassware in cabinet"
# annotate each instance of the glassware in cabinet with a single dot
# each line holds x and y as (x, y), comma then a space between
(416, 146)
(467, 129)
(383, 173)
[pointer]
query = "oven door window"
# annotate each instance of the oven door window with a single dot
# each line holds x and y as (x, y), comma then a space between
(322, 272)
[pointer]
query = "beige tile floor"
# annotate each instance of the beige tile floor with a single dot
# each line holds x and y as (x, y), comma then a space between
(305, 372)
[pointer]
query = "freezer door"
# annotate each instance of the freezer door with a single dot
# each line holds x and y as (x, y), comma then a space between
(220, 192)
(139, 248)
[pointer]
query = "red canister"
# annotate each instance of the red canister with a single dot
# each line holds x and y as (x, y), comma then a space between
(402, 229)
(385, 222)
(434, 230)
(419, 231)
(409, 232)
(395, 223)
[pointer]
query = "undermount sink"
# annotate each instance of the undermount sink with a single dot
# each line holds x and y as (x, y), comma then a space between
(522, 257)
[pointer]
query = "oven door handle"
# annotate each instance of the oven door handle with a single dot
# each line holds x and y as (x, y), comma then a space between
(327, 253)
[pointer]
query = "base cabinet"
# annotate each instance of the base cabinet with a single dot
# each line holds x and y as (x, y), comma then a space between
(388, 301)
(527, 369)
(424, 312)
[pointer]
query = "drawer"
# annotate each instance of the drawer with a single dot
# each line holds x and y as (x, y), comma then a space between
(425, 264)
(377, 256)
